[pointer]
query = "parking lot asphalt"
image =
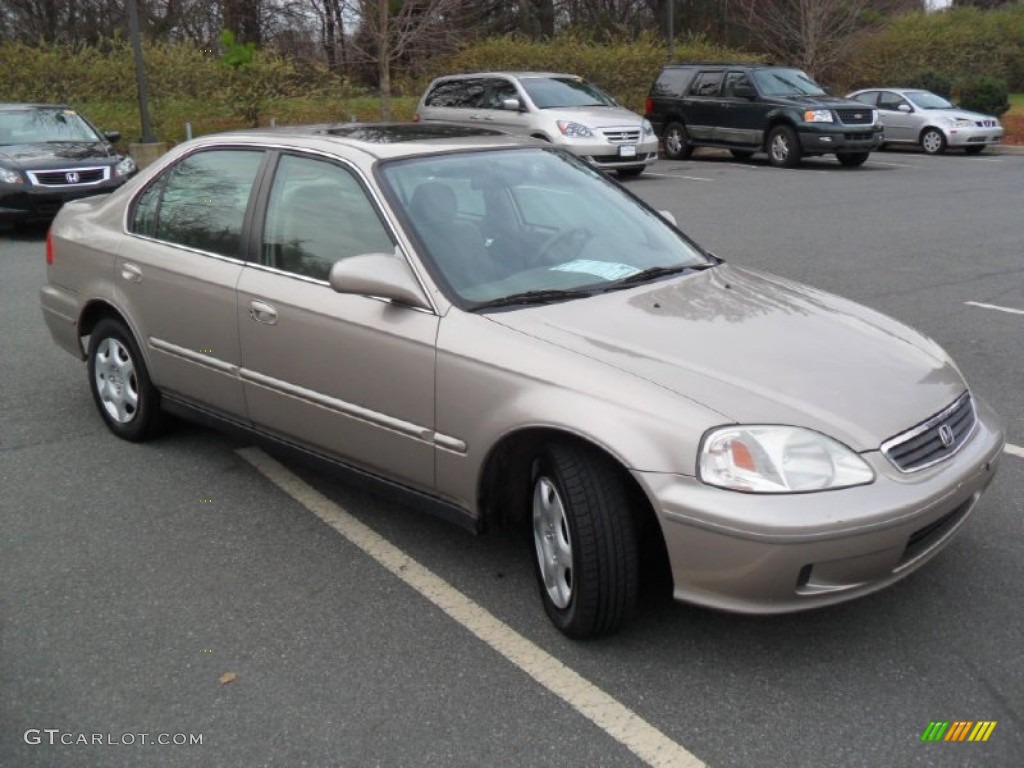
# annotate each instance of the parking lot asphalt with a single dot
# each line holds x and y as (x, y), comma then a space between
(136, 577)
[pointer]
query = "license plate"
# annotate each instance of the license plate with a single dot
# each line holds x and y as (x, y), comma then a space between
(627, 150)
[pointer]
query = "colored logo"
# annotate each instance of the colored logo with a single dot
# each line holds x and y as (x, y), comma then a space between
(958, 730)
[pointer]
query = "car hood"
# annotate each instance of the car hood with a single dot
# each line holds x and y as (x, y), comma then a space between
(834, 102)
(56, 154)
(957, 114)
(759, 350)
(597, 117)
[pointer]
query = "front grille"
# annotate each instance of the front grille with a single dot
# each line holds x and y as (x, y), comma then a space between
(69, 177)
(856, 116)
(622, 137)
(865, 137)
(935, 439)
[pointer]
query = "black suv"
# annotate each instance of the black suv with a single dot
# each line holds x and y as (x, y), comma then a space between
(753, 108)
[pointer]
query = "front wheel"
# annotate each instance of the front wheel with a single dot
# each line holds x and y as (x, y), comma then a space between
(784, 147)
(584, 541)
(933, 141)
(853, 159)
(124, 395)
(677, 142)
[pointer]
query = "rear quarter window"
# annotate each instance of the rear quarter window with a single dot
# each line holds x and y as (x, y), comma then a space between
(464, 93)
(671, 83)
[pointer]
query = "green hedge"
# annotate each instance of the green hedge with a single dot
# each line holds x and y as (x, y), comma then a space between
(625, 67)
(955, 44)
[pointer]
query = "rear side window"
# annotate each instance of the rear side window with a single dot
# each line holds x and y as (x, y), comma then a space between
(464, 93)
(707, 84)
(200, 202)
(867, 98)
(671, 83)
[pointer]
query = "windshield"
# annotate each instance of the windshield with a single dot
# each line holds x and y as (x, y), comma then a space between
(927, 100)
(786, 82)
(498, 223)
(36, 126)
(551, 92)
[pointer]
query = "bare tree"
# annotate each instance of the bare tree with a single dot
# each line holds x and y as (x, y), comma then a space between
(415, 28)
(811, 34)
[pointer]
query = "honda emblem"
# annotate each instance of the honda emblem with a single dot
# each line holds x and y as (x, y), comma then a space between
(72, 177)
(946, 435)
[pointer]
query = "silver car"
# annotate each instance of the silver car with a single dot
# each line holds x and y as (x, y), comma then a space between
(507, 336)
(562, 109)
(913, 116)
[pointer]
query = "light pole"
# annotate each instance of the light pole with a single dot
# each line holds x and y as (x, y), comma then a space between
(140, 72)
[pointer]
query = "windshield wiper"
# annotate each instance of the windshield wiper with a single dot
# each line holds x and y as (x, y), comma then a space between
(543, 296)
(652, 273)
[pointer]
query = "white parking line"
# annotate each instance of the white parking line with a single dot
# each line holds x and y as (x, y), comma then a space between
(996, 307)
(607, 713)
(676, 176)
(1014, 450)
(895, 165)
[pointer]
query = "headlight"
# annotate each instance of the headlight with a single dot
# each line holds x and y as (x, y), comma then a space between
(771, 459)
(7, 176)
(818, 116)
(574, 130)
(648, 128)
(125, 168)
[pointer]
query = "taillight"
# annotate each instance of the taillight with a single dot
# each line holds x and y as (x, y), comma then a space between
(416, 117)
(49, 246)
(649, 105)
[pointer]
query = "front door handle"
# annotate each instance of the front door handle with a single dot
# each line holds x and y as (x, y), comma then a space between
(131, 273)
(262, 312)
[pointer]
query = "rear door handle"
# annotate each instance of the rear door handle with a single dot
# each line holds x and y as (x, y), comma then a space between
(131, 273)
(262, 312)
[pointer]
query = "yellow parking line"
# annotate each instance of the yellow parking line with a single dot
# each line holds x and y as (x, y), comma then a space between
(614, 718)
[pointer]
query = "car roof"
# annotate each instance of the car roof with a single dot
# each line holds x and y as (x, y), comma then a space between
(379, 140)
(508, 73)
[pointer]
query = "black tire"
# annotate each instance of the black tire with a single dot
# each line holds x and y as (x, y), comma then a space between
(933, 141)
(784, 147)
(853, 159)
(742, 154)
(585, 547)
(975, 149)
(630, 173)
(124, 395)
(677, 142)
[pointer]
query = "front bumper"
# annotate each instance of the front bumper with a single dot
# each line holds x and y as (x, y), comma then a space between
(26, 202)
(605, 154)
(827, 138)
(973, 136)
(759, 553)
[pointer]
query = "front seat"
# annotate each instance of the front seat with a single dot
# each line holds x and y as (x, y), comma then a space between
(456, 245)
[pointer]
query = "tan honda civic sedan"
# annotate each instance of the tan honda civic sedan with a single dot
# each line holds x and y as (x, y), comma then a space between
(496, 328)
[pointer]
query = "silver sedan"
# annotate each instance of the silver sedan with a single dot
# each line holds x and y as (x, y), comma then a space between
(914, 116)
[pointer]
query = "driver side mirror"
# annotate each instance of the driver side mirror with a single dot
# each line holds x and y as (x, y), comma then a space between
(906, 108)
(386, 275)
(513, 105)
(112, 136)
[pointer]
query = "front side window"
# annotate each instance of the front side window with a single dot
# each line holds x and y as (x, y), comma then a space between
(870, 97)
(732, 80)
(890, 101)
(929, 100)
(497, 223)
(318, 213)
(200, 202)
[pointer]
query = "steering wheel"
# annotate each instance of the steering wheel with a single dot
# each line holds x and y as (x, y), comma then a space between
(573, 239)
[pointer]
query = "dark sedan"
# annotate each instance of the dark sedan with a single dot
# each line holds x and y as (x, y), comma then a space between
(50, 154)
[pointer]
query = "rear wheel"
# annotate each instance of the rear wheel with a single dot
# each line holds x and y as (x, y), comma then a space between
(853, 159)
(783, 147)
(584, 541)
(677, 142)
(124, 395)
(975, 149)
(933, 141)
